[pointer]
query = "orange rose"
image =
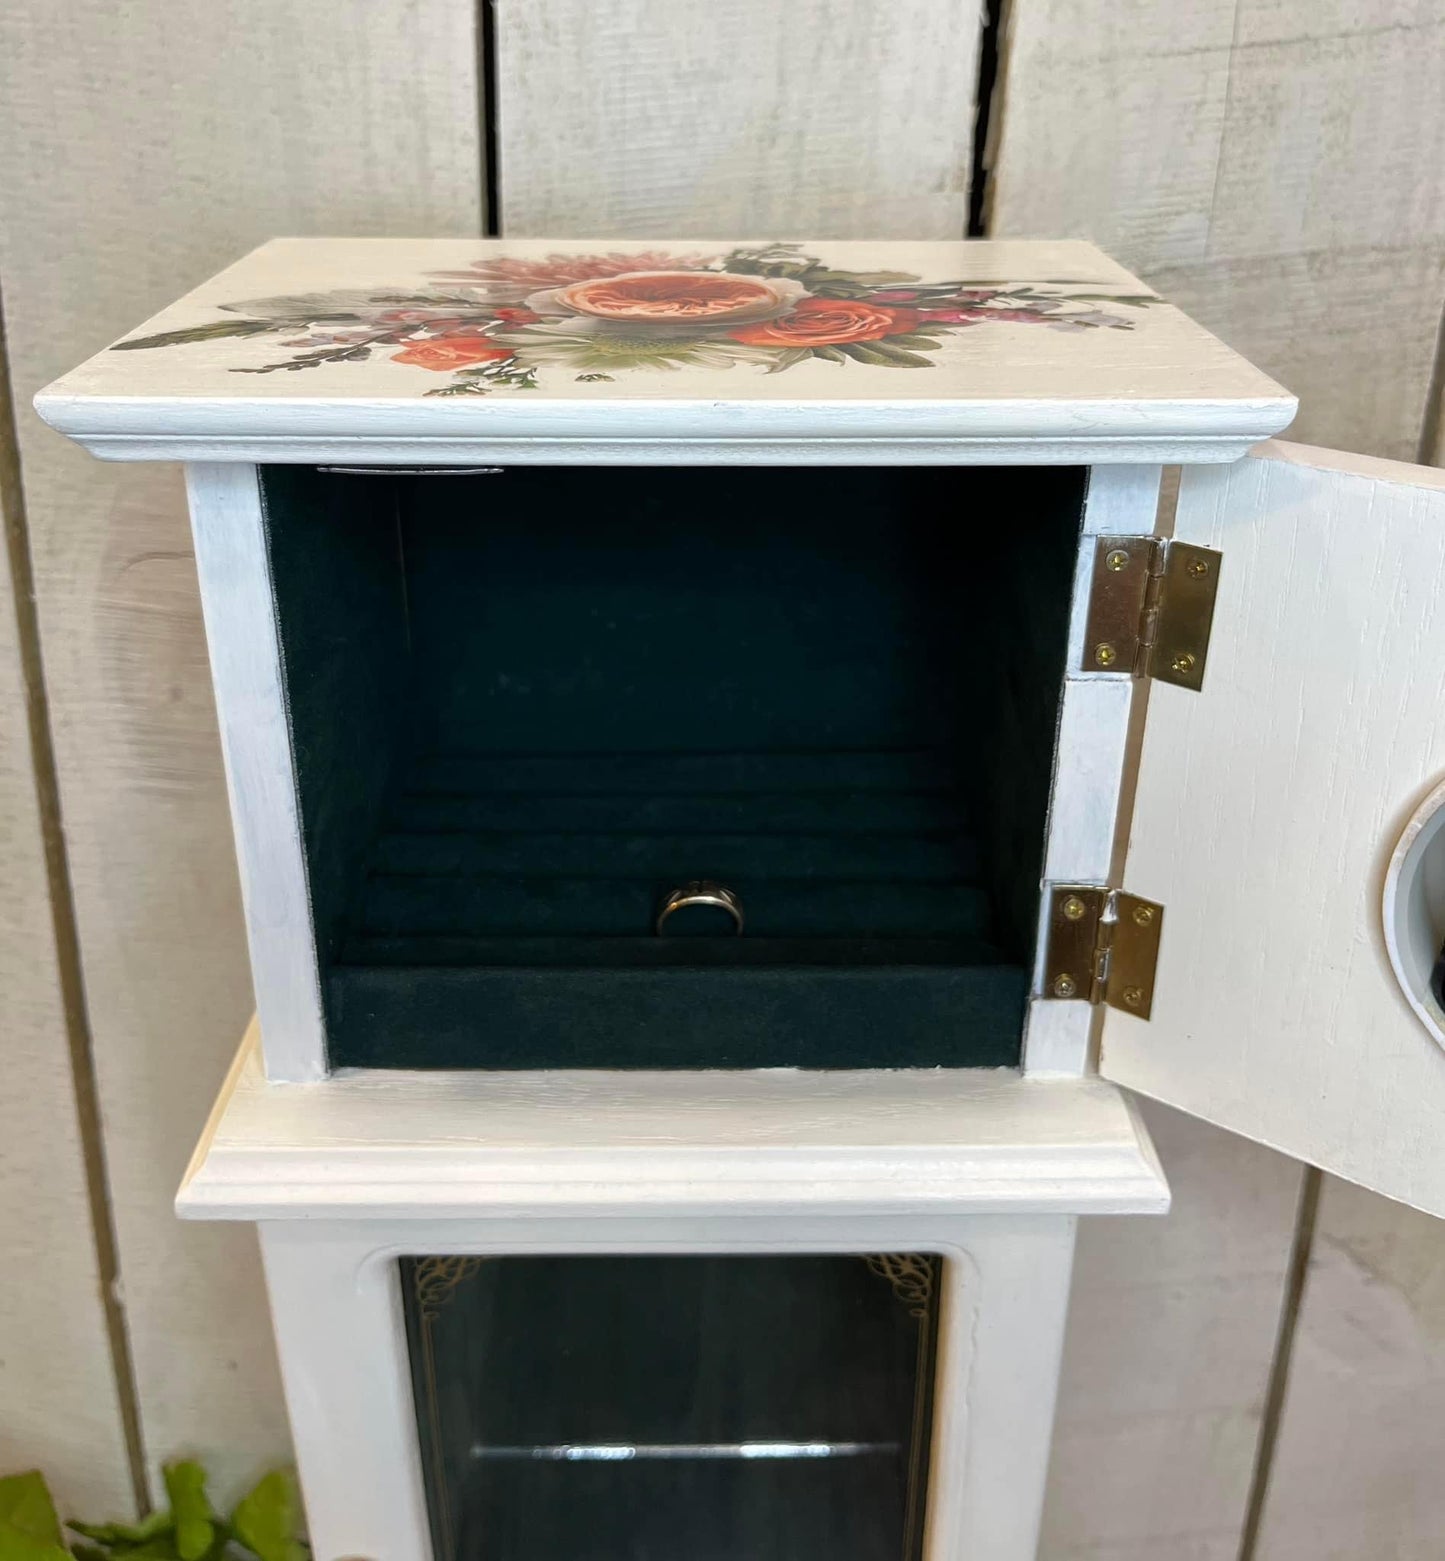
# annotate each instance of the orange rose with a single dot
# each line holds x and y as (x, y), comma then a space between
(825, 322)
(444, 353)
(664, 300)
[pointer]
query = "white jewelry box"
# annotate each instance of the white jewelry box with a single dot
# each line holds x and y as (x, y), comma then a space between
(855, 547)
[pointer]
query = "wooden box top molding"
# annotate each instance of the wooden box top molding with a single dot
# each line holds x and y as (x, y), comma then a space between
(447, 351)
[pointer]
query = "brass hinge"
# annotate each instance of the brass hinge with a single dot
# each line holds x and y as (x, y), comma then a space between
(1150, 609)
(1103, 946)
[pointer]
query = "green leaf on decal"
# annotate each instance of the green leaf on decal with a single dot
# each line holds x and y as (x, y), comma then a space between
(214, 331)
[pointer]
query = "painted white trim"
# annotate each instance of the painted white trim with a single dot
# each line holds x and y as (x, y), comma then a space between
(239, 609)
(1038, 446)
(1089, 759)
(336, 1303)
(395, 1144)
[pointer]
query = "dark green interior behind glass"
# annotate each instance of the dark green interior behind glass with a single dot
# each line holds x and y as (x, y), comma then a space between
(526, 705)
(658, 1408)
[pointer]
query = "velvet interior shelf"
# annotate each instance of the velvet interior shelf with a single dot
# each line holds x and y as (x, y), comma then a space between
(526, 705)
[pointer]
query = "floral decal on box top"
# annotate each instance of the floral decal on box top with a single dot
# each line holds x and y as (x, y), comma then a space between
(501, 322)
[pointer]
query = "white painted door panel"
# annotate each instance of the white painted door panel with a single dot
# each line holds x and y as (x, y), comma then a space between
(1267, 809)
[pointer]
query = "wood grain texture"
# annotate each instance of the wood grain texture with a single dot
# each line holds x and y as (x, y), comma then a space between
(59, 1405)
(841, 120)
(1276, 166)
(1276, 1011)
(1357, 1468)
(144, 147)
(1166, 1356)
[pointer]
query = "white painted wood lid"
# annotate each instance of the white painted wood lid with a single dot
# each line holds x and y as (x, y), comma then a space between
(406, 351)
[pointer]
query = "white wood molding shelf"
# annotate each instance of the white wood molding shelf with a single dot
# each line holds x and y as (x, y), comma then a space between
(565, 1144)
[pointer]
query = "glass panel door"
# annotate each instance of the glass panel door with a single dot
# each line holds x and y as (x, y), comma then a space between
(674, 1408)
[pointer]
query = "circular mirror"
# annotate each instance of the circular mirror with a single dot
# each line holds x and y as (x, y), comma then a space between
(1415, 910)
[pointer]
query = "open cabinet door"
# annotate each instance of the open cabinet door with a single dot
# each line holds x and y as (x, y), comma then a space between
(1268, 808)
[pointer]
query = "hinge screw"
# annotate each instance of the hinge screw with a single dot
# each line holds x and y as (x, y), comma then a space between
(1183, 662)
(1143, 915)
(1199, 569)
(1073, 908)
(1116, 560)
(1133, 996)
(1105, 655)
(1065, 986)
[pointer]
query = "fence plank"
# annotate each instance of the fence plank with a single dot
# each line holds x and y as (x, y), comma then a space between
(1357, 1467)
(143, 147)
(736, 118)
(1275, 166)
(1166, 1357)
(59, 1406)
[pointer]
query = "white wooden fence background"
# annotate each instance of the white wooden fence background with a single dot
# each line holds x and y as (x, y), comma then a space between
(1277, 166)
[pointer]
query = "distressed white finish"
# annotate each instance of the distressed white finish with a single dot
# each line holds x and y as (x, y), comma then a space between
(335, 1296)
(1089, 760)
(232, 563)
(399, 1144)
(228, 527)
(1267, 809)
(835, 117)
(986, 1168)
(1162, 390)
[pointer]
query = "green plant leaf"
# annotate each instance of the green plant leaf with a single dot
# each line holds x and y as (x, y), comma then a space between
(125, 1535)
(212, 332)
(25, 1505)
(16, 1544)
(195, 1520)
(831, 354)
(266, 1520)
(29, 1528)
(909, 339)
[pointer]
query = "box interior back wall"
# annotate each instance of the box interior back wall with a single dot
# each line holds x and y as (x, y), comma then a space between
(525, 705)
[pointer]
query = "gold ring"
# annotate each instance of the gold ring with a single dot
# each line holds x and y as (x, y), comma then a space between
(702, 892)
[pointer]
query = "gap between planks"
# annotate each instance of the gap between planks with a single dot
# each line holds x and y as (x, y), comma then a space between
(84, 1088)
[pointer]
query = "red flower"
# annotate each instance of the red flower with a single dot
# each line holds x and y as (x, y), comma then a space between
(444, 353)
(826, 322)
(517, 316)
(427, 317)
(954, 315)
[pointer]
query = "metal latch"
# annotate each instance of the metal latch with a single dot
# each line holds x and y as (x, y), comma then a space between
(1103, 947)
(1151, 606)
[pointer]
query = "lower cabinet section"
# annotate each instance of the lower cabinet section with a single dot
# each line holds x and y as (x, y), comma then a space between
(641, 1408)
(659, 1387)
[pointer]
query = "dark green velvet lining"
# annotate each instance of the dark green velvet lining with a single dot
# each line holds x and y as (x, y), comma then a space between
(526, 706)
